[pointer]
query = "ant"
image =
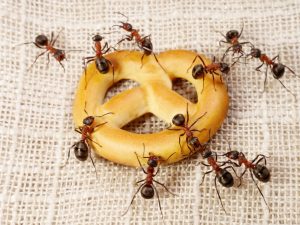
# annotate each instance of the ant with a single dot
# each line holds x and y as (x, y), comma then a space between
(199, 70)
(82, 147)
(277, 69)
(179, 120)
(261, 172)
(102, 64)
(222, 174)
(232, 38)
(144, 43)
(147, 188)
(41, 41)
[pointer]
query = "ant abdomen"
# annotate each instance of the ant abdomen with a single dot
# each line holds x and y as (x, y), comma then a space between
(224, 67)
(81, 151)
(102, 65)
(59, 55)
(278, 70)
(147, 46)
(198, 71)
(147, 191)
(225, 178)
(41, 40)
(262, 173)
(194, 142)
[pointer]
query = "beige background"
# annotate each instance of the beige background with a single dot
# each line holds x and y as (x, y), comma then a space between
(36, 121)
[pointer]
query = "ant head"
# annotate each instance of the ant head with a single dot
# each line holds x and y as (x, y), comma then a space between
(262, 173)
(88, 120)
(255, 52)
(126, 26)
(41, 40)
(147, 191)
(194, 142)
(233, 155)
(232, 34)
(198, 71)
(225, 178)
(178, 120)
(147, 46)
(278, 70)
(81, 151)
(97, 38)
(153, 161)
(224, 67)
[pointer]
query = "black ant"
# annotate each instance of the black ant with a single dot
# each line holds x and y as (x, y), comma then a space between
(82, 147)
(222, 175)
(144, 43)
(261, 172)
(232, 38)
(200, 70)
(179, 120)
(102, 64)
(147, 188)
(277, 69)
(41, 41)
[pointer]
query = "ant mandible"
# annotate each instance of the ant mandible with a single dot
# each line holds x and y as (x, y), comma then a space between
(41, 41)
(277, 69)
(261, 172)
(144, 43)
(232, 38)
(200, 70)
(179, 120)
(147, 188)
(222, 174)
(102, 64)
(82, 147)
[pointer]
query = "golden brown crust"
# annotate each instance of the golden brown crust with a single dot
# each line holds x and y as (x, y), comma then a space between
(154, 95)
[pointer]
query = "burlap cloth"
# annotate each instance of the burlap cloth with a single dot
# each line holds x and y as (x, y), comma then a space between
(37, 128)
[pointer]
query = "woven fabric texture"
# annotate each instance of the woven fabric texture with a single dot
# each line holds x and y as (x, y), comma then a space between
(37, 128)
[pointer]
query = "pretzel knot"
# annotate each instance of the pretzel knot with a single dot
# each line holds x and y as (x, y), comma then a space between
(154, 95)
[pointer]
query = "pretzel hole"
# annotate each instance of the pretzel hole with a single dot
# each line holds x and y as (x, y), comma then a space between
(186, 89)
(146, 124)
(119, 87)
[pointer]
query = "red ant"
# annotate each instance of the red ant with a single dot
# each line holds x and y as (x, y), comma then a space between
(144, 43)
(261, 172)
(82, 148)
(232, 38)
(102, 64)
(179, 120)
(147, 188)
(41, 41)
(277, 69)
(222, 175)
(199, 70)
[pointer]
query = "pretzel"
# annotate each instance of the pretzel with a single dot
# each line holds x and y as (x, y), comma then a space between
(154, 95)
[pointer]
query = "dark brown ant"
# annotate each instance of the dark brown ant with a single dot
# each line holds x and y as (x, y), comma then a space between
(232, 38)
(261, 172)
(82, 147)
(147, 188)
(179, 120)
(222, 175)
(200, 70)
(102, 64)
(41, 41)
(277, 69)
(144, 43)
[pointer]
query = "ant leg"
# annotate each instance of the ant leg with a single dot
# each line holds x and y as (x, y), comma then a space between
(142, 61)
(99, 125)
(202, 83)
(62, 66)
(145, 157)
(291, 71)
(204, 164)
(140, 162)
(222, 42)
(68, 156)
(140, 181)
(263, 157)
(286, 88)
(48, 60)
(161, 184)
(157, 171)
(158, 200)
(94, 142)
(187, 114)
(197, 120)
(241, 30)
(199, 130)
(104, 114)
(214, 81)
(259, 190)
(113, 69)
(276, 57)
(132, 199)
(90, 154)
(205, 175)
(105, 46)
(158, 62)
(192, 63)
(56, 37)
(265, 81)
(179, 141)
(85, 109)
(84, 66)
(225, 53)
(37, 59)
(219, 194)
(172, 128)
(258, 68)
